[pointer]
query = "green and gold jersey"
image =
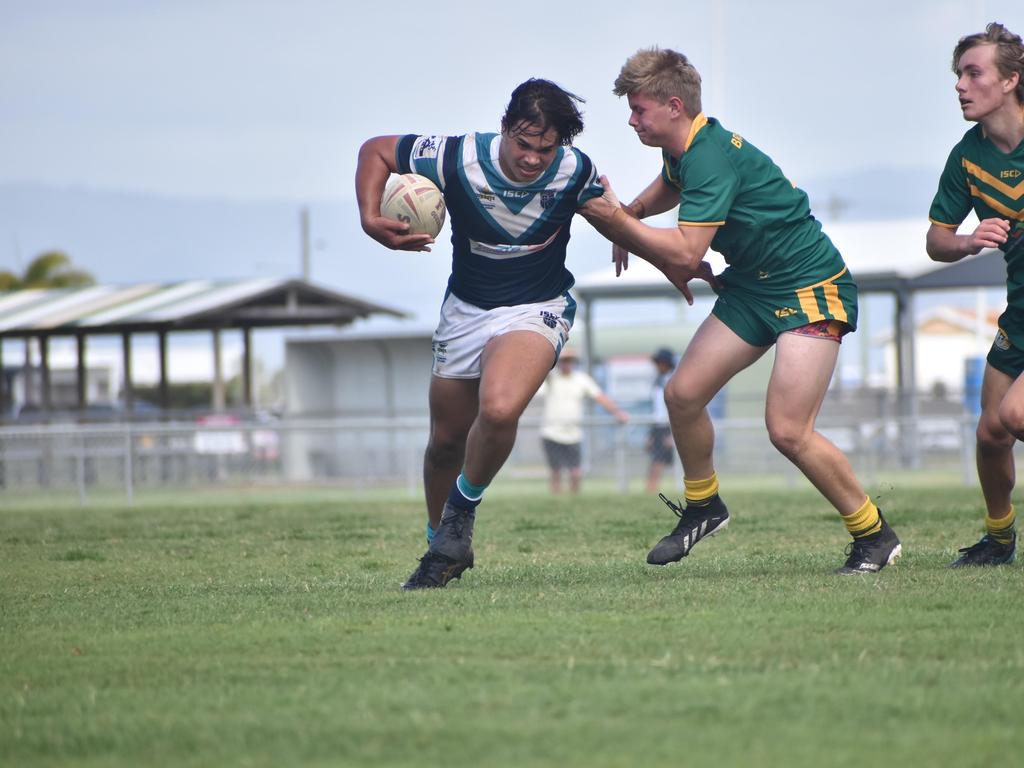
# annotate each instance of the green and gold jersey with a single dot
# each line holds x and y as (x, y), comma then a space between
(766, 231)
(978, 176)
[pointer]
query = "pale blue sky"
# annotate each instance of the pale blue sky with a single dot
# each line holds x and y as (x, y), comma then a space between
(257, 100)
(232, 98)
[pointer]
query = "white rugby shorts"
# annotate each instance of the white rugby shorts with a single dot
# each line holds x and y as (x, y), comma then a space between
(464, 331)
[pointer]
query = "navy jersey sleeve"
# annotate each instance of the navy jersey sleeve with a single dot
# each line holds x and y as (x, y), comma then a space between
(591, 188)
(422, 155)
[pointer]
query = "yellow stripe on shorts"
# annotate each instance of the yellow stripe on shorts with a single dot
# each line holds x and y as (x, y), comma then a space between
(835, 306)
(830, 292)
(809, 304)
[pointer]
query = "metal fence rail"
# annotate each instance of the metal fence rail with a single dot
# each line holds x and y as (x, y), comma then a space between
(363, 452)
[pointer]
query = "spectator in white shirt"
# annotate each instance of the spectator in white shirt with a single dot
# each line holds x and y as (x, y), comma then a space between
(565, 392)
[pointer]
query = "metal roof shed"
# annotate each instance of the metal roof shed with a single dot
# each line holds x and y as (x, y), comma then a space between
(164, 308)
(884, 257)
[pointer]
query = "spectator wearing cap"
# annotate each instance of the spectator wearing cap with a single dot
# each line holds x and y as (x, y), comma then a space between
(565, 392)
(659, 440)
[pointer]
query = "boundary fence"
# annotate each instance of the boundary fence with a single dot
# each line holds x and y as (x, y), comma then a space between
(376, 452)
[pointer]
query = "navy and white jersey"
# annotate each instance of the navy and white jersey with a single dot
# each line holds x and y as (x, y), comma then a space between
(508, 238)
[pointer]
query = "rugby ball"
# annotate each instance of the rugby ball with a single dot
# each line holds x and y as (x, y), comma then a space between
(415, 200)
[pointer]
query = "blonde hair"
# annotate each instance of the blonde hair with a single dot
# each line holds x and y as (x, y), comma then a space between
(661, 74)
(1009, 52)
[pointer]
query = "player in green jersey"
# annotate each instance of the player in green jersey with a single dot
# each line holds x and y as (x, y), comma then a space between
(985, 172)
(785, 284)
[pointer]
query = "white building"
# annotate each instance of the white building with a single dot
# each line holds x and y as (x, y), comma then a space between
(946, 338)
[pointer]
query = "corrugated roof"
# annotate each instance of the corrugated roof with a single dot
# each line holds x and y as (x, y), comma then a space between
(189, 305)
(882, 255)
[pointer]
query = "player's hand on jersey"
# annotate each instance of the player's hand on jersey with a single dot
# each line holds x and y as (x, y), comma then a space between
(599, 211)
(609, 201)
(602, 209)
(395, 235)
(991, 233)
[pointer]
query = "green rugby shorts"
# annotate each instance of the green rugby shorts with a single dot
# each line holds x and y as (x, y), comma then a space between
(758, 312)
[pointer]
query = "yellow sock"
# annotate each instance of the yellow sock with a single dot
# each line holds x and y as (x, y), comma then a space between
(699, 491)
(1001, 529)
(864, 521)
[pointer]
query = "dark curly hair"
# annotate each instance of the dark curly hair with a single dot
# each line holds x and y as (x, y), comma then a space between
(543, 105)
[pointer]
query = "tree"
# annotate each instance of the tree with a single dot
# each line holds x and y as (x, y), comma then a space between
(51, 269)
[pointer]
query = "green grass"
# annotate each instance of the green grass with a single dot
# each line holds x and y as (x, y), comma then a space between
(256, 629)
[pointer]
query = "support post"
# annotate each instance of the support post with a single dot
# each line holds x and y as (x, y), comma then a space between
(219, 400)
(81, 384)
(44, 373)
(906, 380)
(165, 393)
(247, 367)
(126, 358)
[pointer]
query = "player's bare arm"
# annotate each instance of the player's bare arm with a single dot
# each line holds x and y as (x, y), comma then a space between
(677, 252)
(376, 163)
(657, 198)
(682, 247)
(944, 244)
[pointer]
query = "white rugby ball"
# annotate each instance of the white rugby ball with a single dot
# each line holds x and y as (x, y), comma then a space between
(415, 200)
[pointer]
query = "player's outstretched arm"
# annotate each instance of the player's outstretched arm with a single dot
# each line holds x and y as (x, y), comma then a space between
(944, 244)
(677, 251)
(656, 198)
(683, 247)
(377, 163)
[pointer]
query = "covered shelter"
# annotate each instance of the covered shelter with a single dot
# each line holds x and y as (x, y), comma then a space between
(162, 309)
(886, 257)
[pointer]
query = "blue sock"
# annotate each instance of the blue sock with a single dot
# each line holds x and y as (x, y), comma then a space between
(430, 533)
(464, 494)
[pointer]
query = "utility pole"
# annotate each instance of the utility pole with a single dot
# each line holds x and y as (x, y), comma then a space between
(719, 30)
(304, 234)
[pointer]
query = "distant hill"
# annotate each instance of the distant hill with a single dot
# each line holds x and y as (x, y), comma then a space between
(125, 237)
(873, 194)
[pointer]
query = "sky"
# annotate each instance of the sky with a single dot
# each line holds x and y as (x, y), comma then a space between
(271, 100)
(250, 101)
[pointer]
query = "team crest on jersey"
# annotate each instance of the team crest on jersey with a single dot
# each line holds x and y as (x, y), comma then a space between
(785, 312)
(486, 196)
(428, 146)
(1002, 341)
(547, 198)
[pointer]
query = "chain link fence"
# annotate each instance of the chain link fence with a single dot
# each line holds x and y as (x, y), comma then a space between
(361, 453)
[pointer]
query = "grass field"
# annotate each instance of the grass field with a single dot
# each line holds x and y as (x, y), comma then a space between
(258, 630)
